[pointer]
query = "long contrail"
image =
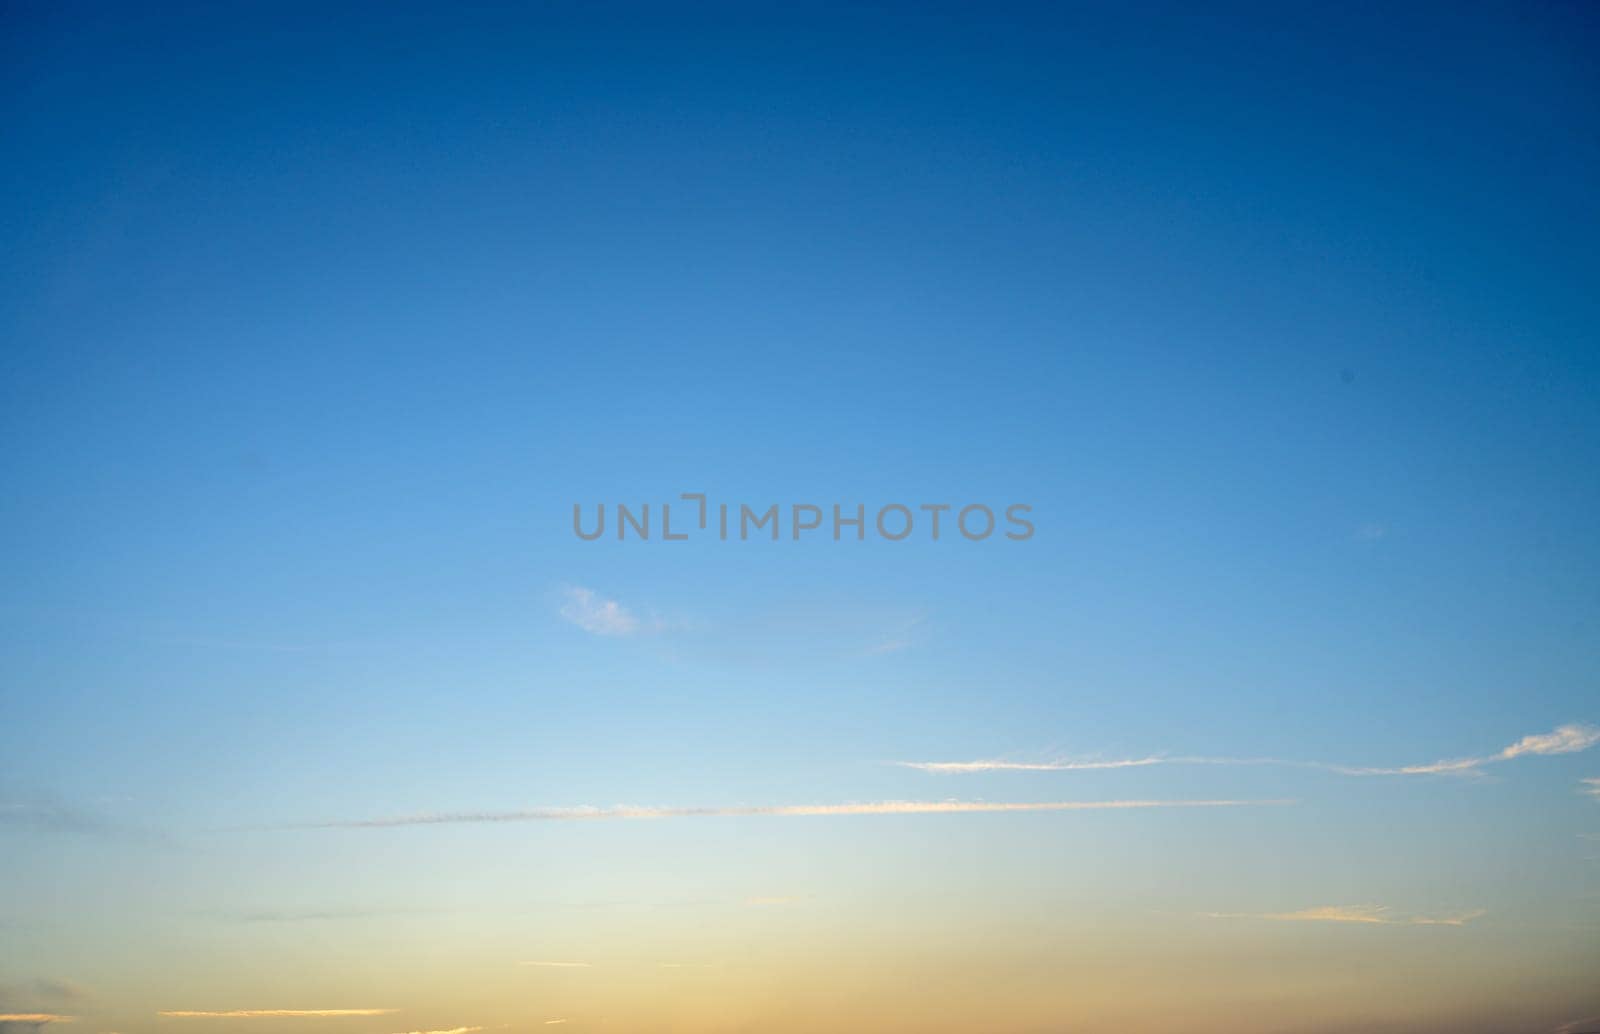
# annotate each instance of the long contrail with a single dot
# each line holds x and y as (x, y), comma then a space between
(250, 1014)
(1565, 739)
(782, 810)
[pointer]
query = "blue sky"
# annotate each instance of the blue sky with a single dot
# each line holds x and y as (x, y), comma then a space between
(316, 326)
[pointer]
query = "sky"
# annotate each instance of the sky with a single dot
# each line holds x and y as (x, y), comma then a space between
(318, 322)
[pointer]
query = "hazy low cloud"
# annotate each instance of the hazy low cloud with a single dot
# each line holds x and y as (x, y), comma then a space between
(33, 994)
(1566, 739)
(50, 817)
(58, 991)
(248, 1014)
(30, 1020)
(318, 915)
(581, 814)
(1375, 915)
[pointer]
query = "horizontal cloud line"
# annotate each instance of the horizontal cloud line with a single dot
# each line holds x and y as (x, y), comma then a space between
(1566, 739)
(997, 765)
(1374, 915)
(1027, 766)
(779, 810)
(243, 1014)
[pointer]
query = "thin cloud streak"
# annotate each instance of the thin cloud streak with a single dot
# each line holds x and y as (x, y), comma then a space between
(452, 1030)
(557, 965)
(1373, 915)
(1026, 766)
(1591, 786)
(965, 767)
(1566, 739)
(949, 807)
(248, 1014)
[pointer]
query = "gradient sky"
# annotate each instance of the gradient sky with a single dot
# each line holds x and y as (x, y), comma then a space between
(315, 326)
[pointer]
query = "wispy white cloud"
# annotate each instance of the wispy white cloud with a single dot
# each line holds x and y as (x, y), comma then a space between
(1591, 787)
(595, 614)
(556, 965)
(780, 810)
(1566, 739)
(902, 636)
(550, 1023)
(1375, 915)
(248, 1014)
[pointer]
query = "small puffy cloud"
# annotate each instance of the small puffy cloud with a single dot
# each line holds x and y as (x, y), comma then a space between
(595, 614)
